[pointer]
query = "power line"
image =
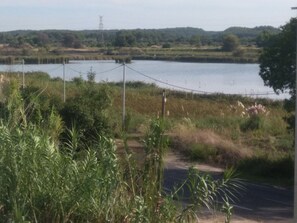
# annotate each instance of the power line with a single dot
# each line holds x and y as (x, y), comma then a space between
(48, 70)
(93, 61)
(166, 83)
(102, 72)
(160, 81)
(194, 90)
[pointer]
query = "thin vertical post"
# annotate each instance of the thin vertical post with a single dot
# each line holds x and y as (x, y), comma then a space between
(295, 167)
(295, 147)
(64, 83)
(163, 103)
(23, 63)
(124, 98)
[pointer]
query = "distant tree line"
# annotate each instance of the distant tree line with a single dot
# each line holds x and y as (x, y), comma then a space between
(136, 37)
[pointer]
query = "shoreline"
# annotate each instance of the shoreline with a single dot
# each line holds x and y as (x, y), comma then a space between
(66, 59)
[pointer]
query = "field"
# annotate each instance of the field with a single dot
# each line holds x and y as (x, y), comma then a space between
(58, 169)
(216, 129)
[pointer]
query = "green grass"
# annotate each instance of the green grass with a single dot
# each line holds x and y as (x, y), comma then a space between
(217, 115)
(46, 179)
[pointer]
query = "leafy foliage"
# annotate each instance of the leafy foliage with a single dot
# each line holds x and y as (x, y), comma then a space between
(251, 123)
(124, 38)
(277, 62)
(140, 37)
(230, 43)
(40, 183)
(205, 192)
(87, 111)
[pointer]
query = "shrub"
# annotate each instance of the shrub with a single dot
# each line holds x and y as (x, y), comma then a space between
(239, 52)
(230, 43)
(41, 184)
(166, 45)
(252, 123)
(202, 152)
(38, 103)
(87, 111)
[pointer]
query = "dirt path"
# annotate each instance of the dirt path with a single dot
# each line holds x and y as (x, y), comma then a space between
(260, 203)
(175, 161)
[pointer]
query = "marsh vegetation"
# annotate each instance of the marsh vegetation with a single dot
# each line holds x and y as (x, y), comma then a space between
(59, 161)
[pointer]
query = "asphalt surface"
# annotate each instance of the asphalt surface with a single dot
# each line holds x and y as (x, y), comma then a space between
(265, 203)
(258, 202)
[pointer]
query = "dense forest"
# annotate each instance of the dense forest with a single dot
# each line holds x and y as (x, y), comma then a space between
(136, 37)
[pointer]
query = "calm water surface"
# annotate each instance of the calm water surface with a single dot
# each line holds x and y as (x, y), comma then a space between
(241, 79)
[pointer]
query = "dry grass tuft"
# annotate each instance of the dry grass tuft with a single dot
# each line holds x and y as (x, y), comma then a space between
(215, 149)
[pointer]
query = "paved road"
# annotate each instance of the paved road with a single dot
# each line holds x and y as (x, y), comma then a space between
(259, 202)
(266, 203)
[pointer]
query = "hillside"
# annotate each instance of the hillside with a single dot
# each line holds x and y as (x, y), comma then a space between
(135, 37)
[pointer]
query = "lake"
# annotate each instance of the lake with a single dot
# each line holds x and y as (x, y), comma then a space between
(204, 78)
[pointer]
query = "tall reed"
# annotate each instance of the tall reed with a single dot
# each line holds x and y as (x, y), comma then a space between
(42, 180)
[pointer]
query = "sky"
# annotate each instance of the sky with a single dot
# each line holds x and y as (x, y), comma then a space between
(210, 15)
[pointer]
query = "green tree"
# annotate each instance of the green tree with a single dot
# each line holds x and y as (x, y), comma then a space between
(230, 43)
(277, 61)
(68, 40)
(41, 39)
(278, 66)
(195, 40)
(262, 39)
(124, 38)
(71, 40)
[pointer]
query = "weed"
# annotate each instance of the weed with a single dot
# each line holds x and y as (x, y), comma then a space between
(92, 184)
(252, 123)
(205, 192)
(202, 152)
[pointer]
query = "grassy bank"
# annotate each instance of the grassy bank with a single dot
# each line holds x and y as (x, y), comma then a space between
(54, 172)
(214, 129)
(178, 53)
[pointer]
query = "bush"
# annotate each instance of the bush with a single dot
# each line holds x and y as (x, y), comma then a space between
(166, 46)
(230, 43)
(87, 111)
(202, 152)
(38, 103)
(252, 123)
(238, 52)
(39, 183)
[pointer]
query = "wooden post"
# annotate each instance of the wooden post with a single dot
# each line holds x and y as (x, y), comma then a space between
(124, 98)
(163, 103)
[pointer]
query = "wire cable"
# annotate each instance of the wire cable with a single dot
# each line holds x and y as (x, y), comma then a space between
(194, 90)
(47, 70)
(166, 83)
(93, 61)
(102, 72)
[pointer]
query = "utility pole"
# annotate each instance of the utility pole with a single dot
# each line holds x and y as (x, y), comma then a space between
(64, 83)
(163, 103)
(295, 167)
(124, 98)
(23, 63)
